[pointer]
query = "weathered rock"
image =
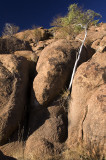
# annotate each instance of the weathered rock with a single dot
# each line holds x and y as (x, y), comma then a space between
(27, 54)
(45, 128)
(94, 33)
(47, 133)
(13, 150)
(100, 44)
(34, 35)
(11, 44)
(2, 157)
(37, 48)
(13, 91)
(32, 59)
(87, 112)
(96, 38)
(94, 124)
(54, 68)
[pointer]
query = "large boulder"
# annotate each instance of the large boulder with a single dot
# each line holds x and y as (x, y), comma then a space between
(87, 110)
(14, 72)
(9, 45)
(47, 131)
(54, 68)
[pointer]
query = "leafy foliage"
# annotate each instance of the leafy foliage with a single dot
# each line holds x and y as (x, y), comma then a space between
(76, 15)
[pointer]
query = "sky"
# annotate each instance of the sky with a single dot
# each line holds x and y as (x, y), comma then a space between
(26, 13)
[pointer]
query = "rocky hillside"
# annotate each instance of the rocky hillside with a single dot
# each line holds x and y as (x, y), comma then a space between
(39, 118)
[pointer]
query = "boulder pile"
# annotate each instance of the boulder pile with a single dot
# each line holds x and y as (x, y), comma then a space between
(35, 123)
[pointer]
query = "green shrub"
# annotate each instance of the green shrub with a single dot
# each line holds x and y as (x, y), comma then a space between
(76, 15)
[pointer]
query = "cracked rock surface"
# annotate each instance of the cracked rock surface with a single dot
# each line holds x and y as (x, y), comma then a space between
(34, 102)
(87, 108)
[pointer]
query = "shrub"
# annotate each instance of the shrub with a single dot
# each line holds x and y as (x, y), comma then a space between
(37, 33)
(83, 153)
(10, 29)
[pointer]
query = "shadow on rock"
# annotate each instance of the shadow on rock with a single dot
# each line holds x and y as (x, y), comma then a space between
(37, 115)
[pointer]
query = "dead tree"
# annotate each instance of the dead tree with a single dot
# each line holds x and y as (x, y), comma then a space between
(78, 55)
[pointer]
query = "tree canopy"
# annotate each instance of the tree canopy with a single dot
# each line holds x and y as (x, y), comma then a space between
(76, 15)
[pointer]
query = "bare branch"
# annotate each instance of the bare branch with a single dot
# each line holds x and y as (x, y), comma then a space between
(10, 29)
(79, 39)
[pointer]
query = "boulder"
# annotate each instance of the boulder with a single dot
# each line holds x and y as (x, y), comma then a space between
(95, 121)
(29, 55)
(34, 35)
(96, 38)
(9, 45)
(37, 48)
(87, 110)
(32, 59)
(94, 33)
(13, 150)
(47, 132)
(14, 72)
(54, 68)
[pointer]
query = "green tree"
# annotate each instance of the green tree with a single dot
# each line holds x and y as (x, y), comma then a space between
(76, 15)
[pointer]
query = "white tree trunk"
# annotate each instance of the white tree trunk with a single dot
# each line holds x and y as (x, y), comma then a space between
(78, 57)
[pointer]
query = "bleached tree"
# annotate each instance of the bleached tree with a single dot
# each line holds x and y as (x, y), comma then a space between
(75, 21)
(78, 55)
(10, 29)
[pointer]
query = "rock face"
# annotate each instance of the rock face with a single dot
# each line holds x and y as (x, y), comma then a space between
(13, 91)
(12, 149)
(100, 44)
(96, 38)
(12, 44)
(54, 66)
(34, 35)
(27, 54)
(47, 133)
(95, 132)
(33, 108)
(37, 48)
(32, 59)
(87, 110)
(3, 157)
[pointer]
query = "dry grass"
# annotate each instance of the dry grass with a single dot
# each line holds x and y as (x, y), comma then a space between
(78, 153)
(64, 99)
(83, 153)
